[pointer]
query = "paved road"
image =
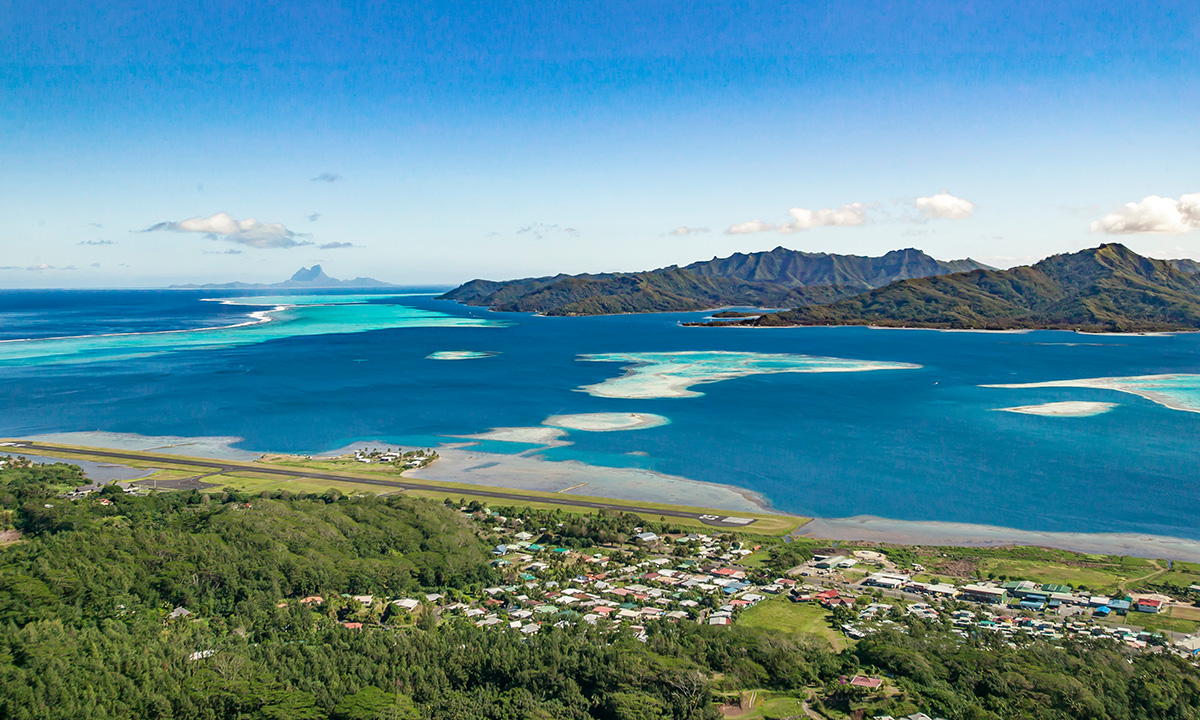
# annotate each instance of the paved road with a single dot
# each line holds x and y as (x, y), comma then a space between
(513, 497)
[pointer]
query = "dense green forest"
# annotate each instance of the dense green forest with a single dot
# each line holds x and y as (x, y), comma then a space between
(86, 630)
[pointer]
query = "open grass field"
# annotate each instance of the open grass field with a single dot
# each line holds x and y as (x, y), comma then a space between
(1185, 613)
(781, 615)
(782, 706)
(767, 706)
(1164, 621)
(757, 560)
(248, 482)
(1104, 578)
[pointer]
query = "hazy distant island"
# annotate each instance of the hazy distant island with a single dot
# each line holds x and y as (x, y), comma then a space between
(313, 277)
(774, 279)
(1109, 288)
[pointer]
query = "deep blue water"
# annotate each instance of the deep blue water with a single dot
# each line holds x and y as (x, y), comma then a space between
(922, 444)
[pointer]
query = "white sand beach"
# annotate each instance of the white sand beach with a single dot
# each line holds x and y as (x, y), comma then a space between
(1069, 408)
(459, 355)
(541, 436)
(606, 422)
(1178, 391)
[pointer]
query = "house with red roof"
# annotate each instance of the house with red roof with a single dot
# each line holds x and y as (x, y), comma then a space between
(1148, 605)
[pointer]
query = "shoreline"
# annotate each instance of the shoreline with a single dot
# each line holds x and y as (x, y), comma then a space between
(461, 462)
(869, 528)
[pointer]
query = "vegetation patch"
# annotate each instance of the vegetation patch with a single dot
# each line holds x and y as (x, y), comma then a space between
(779, 615)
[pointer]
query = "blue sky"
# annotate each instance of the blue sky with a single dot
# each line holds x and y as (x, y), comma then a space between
(436, 142)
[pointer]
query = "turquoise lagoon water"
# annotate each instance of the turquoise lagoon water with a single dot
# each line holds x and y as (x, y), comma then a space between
(830, 422)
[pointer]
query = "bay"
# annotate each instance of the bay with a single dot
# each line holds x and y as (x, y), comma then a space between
(904, 429)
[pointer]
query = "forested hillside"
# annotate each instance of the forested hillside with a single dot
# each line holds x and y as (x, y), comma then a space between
(795, 268)
(778, 278)
(91, 627)
(1108, 288)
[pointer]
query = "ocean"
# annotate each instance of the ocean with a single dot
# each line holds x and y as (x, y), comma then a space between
(825, 422)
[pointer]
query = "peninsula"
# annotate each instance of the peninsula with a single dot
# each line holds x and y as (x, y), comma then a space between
(1109, 288)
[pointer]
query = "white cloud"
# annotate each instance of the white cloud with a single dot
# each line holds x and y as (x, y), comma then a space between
(1152, 214)
(328, 177)
(750, 226)
(805, 219)
(246, 232)
(946, 206)
(336, 245)
(685, 230)
(942, 205)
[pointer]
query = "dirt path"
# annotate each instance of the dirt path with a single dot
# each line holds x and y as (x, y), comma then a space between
(1160, 571)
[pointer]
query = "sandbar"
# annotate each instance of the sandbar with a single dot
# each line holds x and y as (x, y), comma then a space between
(1178, 391)
(540, 436)
(1070, 408)
(606, 422)
(672, 374)
(459, 355)
(463, 464)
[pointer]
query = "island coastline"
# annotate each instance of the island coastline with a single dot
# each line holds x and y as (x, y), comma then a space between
(465, 462)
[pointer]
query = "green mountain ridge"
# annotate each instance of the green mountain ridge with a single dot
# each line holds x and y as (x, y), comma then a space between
(778, 278)
(1109, 288)
(1184, 265)
(794, 268)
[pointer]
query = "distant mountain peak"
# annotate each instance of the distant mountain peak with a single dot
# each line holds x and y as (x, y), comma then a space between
(311, 274)
(305, 277)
